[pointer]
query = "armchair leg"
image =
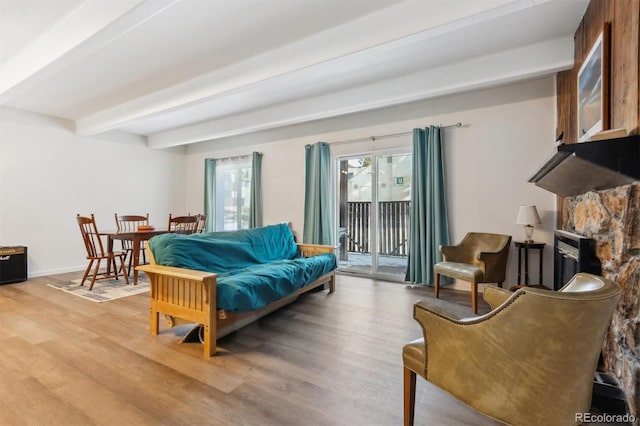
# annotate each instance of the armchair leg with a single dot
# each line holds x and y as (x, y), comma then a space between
(436, 285)
(409, 396)
(474, 297)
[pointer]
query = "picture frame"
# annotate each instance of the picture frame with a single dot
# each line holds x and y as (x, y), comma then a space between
(593, 89)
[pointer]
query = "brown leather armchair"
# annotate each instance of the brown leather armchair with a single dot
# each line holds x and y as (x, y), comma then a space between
(530, 361)
(478, 258)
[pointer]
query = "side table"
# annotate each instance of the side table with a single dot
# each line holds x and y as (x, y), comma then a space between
(523, 248)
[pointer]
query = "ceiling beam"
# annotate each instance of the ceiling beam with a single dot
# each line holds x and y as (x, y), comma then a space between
(86, 29)
(335, 46)
(500, 68)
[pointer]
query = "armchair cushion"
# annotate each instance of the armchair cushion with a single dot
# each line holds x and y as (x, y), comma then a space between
(462, 271)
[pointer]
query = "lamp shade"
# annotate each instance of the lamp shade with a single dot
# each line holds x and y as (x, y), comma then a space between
(528, 215)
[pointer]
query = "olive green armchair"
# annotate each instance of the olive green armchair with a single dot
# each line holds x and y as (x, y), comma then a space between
(530, 361)
(478, 258)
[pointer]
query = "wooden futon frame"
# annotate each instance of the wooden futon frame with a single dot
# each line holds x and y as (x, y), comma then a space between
(191, 296)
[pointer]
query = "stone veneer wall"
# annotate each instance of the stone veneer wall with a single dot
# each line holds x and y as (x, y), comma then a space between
(612, 219)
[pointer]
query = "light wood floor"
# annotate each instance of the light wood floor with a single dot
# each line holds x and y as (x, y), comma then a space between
(323, 360)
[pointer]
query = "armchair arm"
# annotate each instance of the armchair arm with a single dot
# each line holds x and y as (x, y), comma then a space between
(448, 252)
(458, 253)
(490, 257)
(436, 310)
(494, 265)
(495, 296)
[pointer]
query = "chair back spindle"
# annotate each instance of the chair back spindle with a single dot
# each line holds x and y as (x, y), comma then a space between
(202, 223)
(130, 223)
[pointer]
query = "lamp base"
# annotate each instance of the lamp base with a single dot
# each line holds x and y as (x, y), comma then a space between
(528, 233)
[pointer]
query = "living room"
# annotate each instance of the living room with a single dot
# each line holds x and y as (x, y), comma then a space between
(51, 171)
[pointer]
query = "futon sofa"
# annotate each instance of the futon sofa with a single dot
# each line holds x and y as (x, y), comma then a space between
(226, 280)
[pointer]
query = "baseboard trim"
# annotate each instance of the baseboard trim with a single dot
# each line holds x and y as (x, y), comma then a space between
(45, 272)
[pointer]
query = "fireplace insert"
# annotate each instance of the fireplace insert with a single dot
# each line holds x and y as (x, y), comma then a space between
(573, 253)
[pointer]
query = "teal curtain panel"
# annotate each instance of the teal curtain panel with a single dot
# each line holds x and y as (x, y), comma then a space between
(210, 193)
(255, 212)
(428, 216)
(317, 201)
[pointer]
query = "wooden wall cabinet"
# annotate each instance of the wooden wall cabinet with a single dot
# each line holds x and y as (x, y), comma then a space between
(623, 20)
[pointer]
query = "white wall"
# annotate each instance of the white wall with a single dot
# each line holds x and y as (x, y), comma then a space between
(507, 133)
(48, 175)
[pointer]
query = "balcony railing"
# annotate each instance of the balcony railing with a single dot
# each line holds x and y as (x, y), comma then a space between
(393, 227)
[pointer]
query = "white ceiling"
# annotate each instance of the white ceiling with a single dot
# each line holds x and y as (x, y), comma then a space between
(186, 71)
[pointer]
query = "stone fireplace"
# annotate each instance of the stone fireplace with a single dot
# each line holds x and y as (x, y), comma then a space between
(612, 218)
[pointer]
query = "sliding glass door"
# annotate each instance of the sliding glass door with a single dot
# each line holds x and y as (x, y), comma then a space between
(373, 214)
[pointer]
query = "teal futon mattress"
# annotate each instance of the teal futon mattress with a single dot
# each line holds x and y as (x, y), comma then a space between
(255, 267)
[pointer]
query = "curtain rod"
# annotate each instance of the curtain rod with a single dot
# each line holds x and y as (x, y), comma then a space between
(235, 157)
(391, 135)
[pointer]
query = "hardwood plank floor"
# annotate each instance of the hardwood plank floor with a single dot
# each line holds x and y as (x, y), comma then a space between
(323, 360)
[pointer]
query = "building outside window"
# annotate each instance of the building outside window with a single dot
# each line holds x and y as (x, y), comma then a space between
(233, 189)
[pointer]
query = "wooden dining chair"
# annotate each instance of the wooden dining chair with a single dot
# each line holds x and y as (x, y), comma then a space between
(130, 223)
(96, 252)
(183, 224)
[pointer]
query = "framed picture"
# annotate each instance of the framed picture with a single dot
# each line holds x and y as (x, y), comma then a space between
(593, 89)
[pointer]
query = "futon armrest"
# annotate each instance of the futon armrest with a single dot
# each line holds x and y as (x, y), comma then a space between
(181, 277)
(182, 273)
(495, 296)
(308, 250)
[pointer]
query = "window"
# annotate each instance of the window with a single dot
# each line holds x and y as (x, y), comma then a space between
(233, 194)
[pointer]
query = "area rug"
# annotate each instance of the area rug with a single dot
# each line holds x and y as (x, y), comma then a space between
(103, 290)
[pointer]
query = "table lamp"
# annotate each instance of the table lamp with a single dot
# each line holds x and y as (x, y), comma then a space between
(528, 216)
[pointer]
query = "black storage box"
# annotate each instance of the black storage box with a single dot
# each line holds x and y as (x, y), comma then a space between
(13, 264)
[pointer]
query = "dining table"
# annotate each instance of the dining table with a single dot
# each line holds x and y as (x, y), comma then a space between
(136, 238)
